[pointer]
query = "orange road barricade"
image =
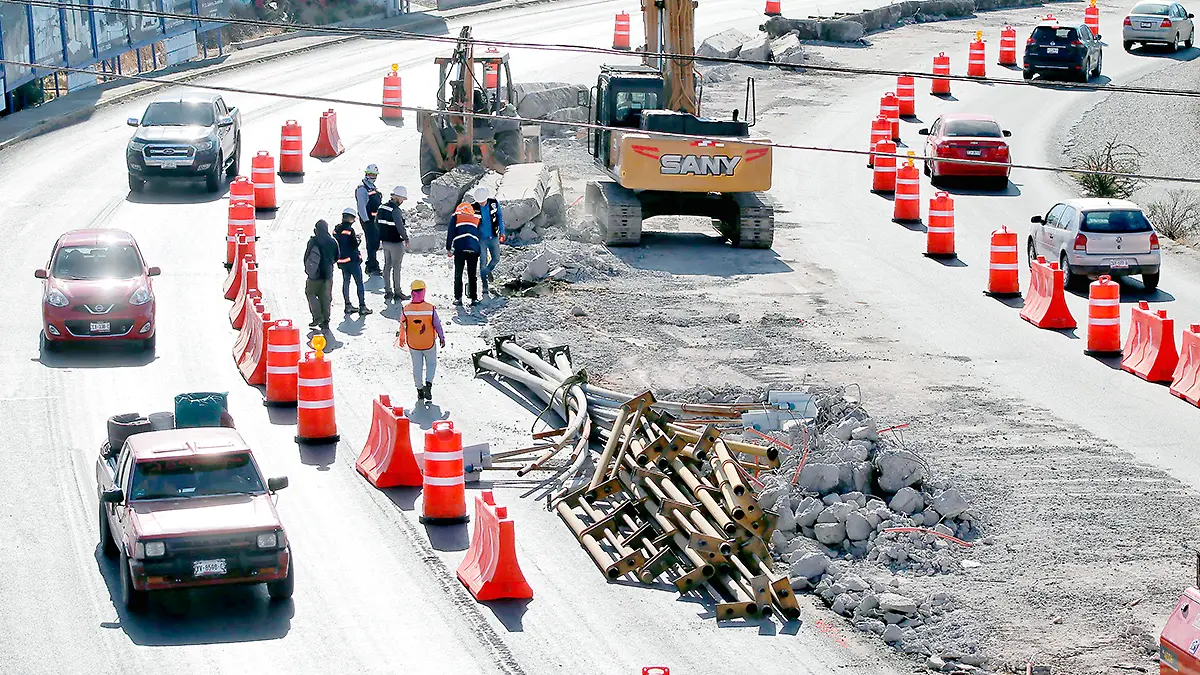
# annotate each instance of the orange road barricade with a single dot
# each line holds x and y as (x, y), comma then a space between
(908, 193)
(773, 8)
(393, 96)
(387, 459)
(241, 188)
(1091, 17)
(1104, 317)
(1180, 638)
(1008, 46)
(941, 66)
(291, 150)
(1185, 381)
(977, 58)
(1046, 304)
(253, 363)
(237, 313)
(241, 216)
(236, 276)
(262, 172)
(906, 93)
(939, 238)
(490, 570)
(1150, 350)
(621, 32)
(243, 339)
(444, 484)
(889, 107)
(883, 179)
(1003, 273)
(880, 129)
(329, 144)
(283, 357)
(316, 422)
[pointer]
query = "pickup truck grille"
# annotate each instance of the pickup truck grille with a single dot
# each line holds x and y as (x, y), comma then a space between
(168, 151)
(241, 555)
(199, 547)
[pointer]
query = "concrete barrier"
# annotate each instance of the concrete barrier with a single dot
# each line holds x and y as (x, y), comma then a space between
(882, 18)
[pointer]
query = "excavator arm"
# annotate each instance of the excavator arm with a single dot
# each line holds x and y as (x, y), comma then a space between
(670, 28)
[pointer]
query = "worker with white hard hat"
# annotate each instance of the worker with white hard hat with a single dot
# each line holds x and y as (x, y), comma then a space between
(350, 261)
(393, 238)
(491, 233)
(369, 200)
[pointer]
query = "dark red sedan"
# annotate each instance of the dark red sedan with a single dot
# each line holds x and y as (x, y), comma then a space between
(97, 287)
(968, 136)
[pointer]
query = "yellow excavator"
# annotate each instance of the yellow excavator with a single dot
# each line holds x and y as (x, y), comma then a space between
(721, 176)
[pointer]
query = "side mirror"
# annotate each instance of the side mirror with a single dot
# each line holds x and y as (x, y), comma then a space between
(1007, 133)
(226, 121)
(112, 496)
(1097, 36)
(1191, 16)
(153, 272)
(41, 274)
(924, 132)
(133, 122)
(1037, 219)
(582, 99)
(277, 483)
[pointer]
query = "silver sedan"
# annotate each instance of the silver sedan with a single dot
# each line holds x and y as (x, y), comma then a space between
(1158, 23)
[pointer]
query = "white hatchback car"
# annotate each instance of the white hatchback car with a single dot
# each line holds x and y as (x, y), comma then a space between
(1090, 237)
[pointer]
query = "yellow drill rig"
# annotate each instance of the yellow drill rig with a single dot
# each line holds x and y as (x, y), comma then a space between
(720, 176)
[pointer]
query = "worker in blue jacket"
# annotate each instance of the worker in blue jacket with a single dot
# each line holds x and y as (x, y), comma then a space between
(491, 234)
(462, 242)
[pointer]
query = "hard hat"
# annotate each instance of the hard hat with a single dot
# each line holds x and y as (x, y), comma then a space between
(372, 170)
(469, 197)
(417, 285)
(350, 211)
(480, 194)
(400, 191)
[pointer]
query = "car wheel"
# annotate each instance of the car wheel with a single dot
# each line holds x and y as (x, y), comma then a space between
(1099, 65)
(1031, 252)
(1128, 45)
(1027, 74)
(107, 544)
(212, 181)
(1174, 47)
(136, 184)
(1187, 44)
(148, 344)
(1150, 281)
(282, 589)
(46, 344)
(1071, 281)
(131, 598)
(231, 171)
(1000, 183)
(926, 167)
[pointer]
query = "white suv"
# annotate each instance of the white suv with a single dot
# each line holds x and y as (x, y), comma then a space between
(1090, 237)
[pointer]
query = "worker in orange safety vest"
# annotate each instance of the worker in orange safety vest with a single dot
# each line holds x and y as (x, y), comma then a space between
(419, 326)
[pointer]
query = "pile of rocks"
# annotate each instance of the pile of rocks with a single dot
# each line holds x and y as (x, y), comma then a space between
(559, 260)
(530, 196)
(734, 44)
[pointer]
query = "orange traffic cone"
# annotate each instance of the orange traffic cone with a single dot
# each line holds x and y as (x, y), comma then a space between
(241, 189)
(1091, 17)
(1104, 317)
(241, 217)
(883, 181)
(445, 500)
(908, 193)
(316, 423)
(1003, 281)
(939, 238)
(773, 8)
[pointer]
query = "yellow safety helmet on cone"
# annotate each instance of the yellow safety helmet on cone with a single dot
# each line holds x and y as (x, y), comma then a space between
(417, 285)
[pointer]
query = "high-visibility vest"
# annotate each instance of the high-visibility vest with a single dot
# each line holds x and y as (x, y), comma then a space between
(466, 226)
(418, 325)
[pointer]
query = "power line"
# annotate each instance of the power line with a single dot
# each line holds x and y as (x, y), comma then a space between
(599, 127)
(396, 34)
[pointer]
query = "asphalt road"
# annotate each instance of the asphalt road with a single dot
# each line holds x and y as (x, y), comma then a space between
(375, 592)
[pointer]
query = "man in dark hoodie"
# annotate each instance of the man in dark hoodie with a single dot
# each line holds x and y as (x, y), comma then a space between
(319, 256)
(350, 261)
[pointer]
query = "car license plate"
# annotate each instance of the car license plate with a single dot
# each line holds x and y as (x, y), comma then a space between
(168, 163)
(1119, 263)
(202, 568)
(100, 327)
(974, 153)
(1147, 24)
(1051, 50)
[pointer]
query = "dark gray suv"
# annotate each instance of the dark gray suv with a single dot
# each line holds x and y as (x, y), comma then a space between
(1069, 51)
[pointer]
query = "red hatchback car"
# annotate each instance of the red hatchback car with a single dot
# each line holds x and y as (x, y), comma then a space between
(965, 136)
(97, 287)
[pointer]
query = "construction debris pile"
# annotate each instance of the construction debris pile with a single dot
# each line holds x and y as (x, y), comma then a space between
(530, 197)
(734, 44)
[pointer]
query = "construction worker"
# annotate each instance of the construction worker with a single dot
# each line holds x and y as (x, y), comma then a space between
(350, 261)
(393, 237)
(419, 324)
(369, 201)
(319, 257)
(491, 234)
(462, 242)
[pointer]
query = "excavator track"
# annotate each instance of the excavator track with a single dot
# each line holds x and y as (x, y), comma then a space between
(755, 226)
(617, 211)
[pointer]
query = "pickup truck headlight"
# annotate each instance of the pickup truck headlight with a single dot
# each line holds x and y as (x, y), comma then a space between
(140, 297)
(55, 298)
(205, 145)
(136, 146)
(268, 540)
(155, 549)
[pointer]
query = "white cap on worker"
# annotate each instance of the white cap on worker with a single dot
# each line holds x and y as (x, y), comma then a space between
(400, 191)
(372, 170)
(469, 197)
(350, 211)
(480, 194)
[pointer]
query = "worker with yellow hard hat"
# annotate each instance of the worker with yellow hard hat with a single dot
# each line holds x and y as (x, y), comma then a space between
(421, 331)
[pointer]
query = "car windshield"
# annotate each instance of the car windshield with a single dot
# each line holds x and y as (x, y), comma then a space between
(195, 477)
(1115, 221)
(115, 261)
(983, 128)
(1150, 8)
(1055, 33)
(178, 114)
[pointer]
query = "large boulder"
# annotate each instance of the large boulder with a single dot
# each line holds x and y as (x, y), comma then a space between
(830, 534)
(724, 45)
(787, 49)
(522, 192)
(858, 528)
(446, 191)
(840, 30)
(757, 48)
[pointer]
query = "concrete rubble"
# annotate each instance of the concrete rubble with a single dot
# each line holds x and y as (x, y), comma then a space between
(551, 101)
(724, 45)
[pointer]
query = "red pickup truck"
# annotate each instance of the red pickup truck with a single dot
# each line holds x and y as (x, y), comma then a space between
(189, 507)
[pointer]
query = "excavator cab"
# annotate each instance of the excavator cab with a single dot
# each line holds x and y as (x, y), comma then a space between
(622, 95)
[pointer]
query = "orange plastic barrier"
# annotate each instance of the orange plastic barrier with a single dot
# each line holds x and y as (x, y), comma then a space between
(491, 71)
(316, 422)
(1150, 349)
(283, 357)
(237, 313)
(906, 93)
(490, 570)
(1003, 278)
(977, 59)
(387, 459)
(1185, 381)
(1091, 18)
(1008, 46)
(253, 363)
(241, 215)
(939, 237)
(941, 66)
(1046, 305)
(883, 179)
(243, 339)
(291, 150)
(329, 144)
(621, 32)
(1180, 638)
(1104, 317)
(236, 276)
(889, 107)
(774, 8)
(262, 172)
(444, 484)
(393, 95)
(881, 128)
(241, 189)
(908, 194)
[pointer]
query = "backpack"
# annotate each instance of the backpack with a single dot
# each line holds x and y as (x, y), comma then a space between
(312, 261)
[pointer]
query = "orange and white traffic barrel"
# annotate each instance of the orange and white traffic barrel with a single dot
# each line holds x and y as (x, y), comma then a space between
(241, 217)
(1008, 46)
(773, 8)
(621, 33)
(291, 150)
(908, 193)
(889, 107)
(883, 179)
(316, 423)
(1091, 17)
(241, 189)
(1003, 281)
(1104, 318)
(977, 58)
(283, 364)
(262, 174)
(906, 93)
(444, 500)
(392, 95)
(941, 66)
(881, 129)
(939, 238)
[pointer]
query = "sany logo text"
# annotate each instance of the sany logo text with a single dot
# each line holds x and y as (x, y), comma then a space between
(698, 165)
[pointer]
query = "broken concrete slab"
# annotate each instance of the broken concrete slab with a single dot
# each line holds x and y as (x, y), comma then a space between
(898, 604)
(787, 49)
(756, 48)
(522, 192)
(446, 191)
(907, 501)
(804, 29)
(724, 45)
(822, 478)
(950, 503)
(554, 206)
(540, 103)
(858, 528)
(810, 565)
(897, 469)
(830, 534)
